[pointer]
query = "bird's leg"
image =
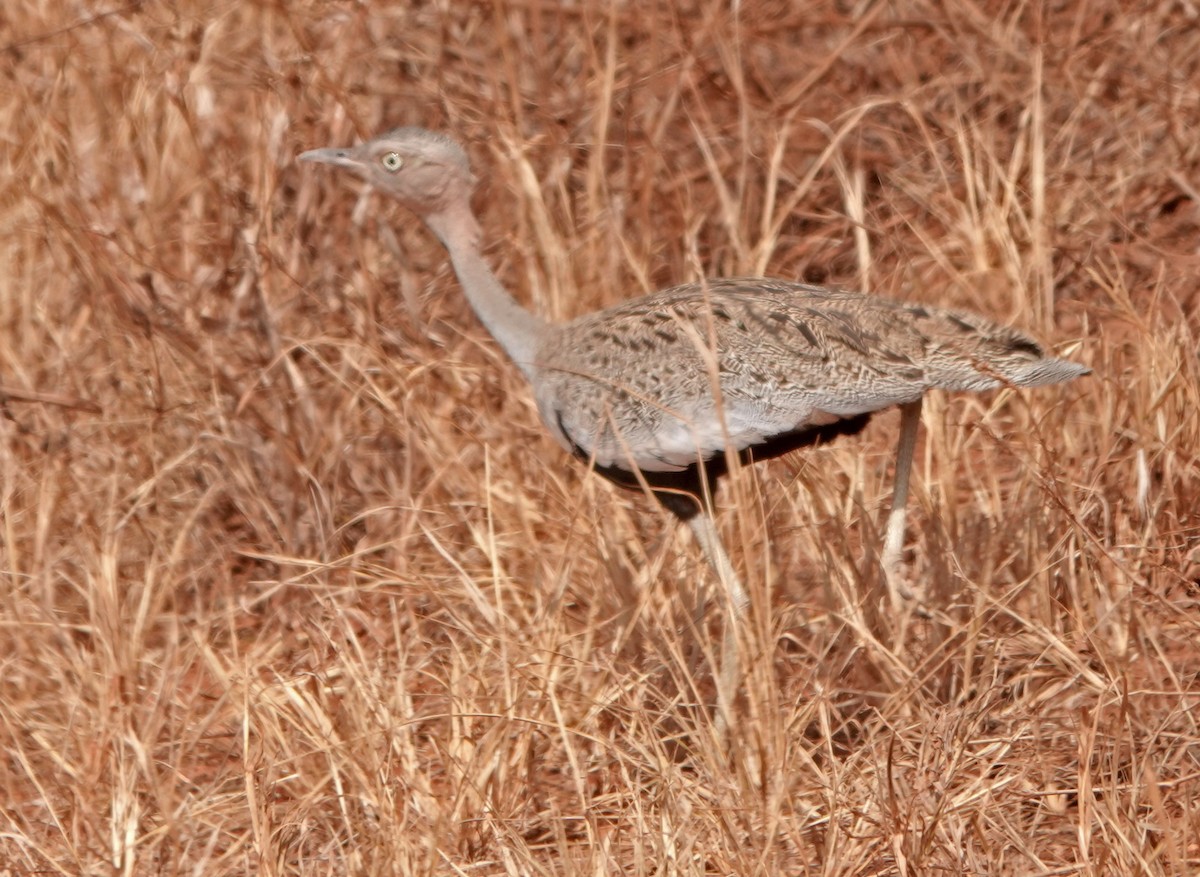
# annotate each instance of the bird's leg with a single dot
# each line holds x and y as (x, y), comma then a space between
(704, 528)
(893, 540)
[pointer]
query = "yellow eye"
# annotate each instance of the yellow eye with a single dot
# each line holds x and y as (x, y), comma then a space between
(392, 161)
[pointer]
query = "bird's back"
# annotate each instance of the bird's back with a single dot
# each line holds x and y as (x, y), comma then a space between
(664, 380)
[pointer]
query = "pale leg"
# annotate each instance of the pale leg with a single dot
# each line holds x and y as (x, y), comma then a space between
(893, 540)
(704, 528)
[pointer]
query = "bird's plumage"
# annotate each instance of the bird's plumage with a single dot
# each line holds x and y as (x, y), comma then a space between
(657, 390)
(665, 382)
(660, 382)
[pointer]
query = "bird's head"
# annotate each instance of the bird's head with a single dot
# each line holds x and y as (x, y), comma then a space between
(426, 171)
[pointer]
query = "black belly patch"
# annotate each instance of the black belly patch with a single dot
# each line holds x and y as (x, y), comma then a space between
(681, 493)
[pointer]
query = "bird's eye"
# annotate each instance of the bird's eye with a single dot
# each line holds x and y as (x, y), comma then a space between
(392, 161)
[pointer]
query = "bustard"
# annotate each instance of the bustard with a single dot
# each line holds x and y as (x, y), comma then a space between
(659, 390)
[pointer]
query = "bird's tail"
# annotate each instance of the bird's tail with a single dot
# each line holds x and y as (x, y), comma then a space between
(973, 354)
(1041, 372)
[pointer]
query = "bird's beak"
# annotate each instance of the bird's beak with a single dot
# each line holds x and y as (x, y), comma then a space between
(334, 156)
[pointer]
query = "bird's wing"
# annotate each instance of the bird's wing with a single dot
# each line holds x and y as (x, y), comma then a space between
(663, 389)
(661, 382)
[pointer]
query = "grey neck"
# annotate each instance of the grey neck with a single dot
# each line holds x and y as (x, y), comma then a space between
(517, 330)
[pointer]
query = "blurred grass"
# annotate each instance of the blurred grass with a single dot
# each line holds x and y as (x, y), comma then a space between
(293, 583)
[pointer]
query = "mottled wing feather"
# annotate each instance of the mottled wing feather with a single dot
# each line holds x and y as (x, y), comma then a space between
(663, 381)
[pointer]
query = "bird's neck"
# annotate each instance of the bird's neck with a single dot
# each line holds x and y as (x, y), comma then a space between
(515, 328)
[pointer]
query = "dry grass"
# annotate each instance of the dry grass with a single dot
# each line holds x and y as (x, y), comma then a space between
(293, 583)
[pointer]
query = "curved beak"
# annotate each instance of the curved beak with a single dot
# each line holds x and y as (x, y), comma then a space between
(336, 156)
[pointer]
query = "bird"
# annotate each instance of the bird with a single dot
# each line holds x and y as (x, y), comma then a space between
(663, 392)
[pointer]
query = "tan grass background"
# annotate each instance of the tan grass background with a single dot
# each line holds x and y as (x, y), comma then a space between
(291, 581)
